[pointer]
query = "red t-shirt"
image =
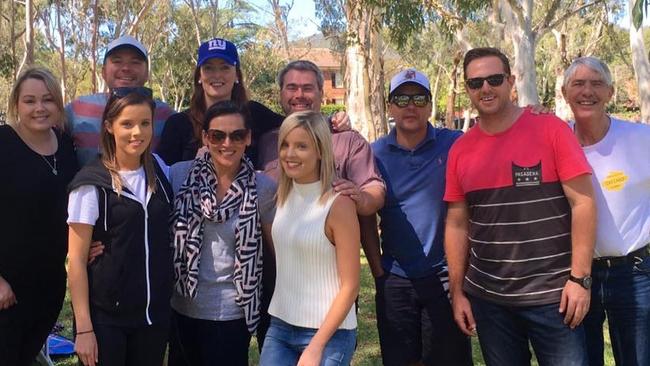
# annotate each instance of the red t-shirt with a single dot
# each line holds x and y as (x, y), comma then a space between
(520, 219)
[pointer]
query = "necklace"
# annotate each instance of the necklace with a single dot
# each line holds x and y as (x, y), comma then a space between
(54, 171)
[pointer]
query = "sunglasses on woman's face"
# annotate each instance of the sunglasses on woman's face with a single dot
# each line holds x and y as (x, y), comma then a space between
(218, 137)
(493, 80)
(124, 91)
(403, 100)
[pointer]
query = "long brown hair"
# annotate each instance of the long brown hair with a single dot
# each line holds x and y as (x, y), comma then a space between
(113, 109)
(197, 102)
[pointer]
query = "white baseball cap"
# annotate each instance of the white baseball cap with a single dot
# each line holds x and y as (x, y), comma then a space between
(126, 41)
(409, 76)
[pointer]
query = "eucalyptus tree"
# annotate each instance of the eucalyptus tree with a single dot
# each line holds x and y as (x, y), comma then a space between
(637, 8)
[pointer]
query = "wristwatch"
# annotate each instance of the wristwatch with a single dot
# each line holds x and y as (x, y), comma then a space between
(585, 281)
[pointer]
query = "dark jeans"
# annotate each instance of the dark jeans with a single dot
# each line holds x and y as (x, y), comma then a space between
(504, 332)
(138, 346)
(623, 293)
(198, 342)
(415, 323)
(24, 327)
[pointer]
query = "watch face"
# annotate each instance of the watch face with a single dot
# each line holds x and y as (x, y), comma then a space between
(586, 282)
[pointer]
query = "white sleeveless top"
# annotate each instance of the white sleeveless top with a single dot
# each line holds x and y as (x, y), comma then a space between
(307, 279)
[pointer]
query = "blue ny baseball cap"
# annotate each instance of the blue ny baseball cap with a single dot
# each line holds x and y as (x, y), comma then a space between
(218, 48)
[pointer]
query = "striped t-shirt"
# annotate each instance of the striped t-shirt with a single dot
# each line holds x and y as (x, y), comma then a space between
(84, 116)
(520, 219)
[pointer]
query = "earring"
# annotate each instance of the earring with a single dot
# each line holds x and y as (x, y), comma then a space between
(200, 82)
(236, 81)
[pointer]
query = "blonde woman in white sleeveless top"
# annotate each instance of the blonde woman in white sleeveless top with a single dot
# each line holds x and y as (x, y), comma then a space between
(316, 238)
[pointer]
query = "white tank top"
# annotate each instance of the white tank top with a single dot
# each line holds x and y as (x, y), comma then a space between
(307, 279)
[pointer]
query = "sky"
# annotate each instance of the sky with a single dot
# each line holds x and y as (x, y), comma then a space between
(302, 18)
(303, 22)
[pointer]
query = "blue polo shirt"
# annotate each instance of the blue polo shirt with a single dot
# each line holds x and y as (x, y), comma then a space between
(412, 219)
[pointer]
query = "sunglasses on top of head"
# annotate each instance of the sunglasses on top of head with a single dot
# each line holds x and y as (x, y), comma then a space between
(124, 91)
(403, 100)
(493, 80)
(218, 136)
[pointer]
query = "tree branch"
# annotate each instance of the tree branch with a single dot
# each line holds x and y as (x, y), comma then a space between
(138, 18)
(518, 11)
(566, 16)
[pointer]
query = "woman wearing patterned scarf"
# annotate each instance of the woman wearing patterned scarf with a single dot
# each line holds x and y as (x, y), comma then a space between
(222, 211)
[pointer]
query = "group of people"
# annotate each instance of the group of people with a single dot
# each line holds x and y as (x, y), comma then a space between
(193, 231)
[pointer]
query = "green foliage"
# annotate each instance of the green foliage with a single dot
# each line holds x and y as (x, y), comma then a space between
(329, 109)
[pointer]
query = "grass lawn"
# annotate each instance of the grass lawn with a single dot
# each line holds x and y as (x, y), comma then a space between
(367, 353)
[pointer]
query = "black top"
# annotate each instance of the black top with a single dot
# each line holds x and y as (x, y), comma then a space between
(130, 284)
(177, 141)
(33, 212)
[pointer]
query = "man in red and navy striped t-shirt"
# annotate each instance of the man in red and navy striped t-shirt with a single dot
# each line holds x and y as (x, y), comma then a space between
(520, 225)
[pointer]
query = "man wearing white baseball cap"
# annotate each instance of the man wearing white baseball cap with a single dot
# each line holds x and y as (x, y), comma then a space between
(414, 316)
(126, 65)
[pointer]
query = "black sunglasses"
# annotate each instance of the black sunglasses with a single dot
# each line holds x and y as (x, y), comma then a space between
(403, 100)
(217, 136)
(493, 80)
(124, 91)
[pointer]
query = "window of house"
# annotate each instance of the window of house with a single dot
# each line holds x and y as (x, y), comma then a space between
(337, 80)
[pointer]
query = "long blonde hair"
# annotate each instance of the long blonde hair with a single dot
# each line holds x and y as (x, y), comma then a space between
(112, 111)
(52, 85)
(318, 130)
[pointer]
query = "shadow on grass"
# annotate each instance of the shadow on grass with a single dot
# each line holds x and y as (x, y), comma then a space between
(367, 353)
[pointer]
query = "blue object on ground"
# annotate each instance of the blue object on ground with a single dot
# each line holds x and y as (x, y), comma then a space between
(59, 345)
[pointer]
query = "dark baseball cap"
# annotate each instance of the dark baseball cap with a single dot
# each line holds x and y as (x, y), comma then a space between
(218, 48)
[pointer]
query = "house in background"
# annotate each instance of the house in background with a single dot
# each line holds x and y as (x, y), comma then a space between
(321, 51)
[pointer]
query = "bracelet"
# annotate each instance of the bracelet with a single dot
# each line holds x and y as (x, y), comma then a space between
(88, 331)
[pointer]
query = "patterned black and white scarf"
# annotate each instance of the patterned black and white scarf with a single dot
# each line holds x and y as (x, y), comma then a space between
(197, 201)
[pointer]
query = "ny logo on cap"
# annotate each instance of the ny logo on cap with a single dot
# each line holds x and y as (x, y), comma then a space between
(217, 44)
(409, 74)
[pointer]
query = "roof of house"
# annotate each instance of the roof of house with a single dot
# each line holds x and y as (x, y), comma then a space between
(322, 57)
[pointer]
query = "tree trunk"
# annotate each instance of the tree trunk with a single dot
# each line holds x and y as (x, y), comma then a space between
(364, 99)
(377, 124)
(562, 108)
(28, 57)
(61, 47)
(518, 22)
(93, 46)
(524, 67)
(641, 67)
(280, 23)
(12, 26)
(434, 97)
(451, 97)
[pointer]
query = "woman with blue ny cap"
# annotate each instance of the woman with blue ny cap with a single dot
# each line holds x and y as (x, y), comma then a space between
(217, 77)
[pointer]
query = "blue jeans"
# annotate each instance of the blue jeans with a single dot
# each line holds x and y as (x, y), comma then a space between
(623, 293)
(284, 344)
(504, 332)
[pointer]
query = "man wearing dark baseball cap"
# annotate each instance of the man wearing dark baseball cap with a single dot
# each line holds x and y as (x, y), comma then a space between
(414, 315)
(126, 65)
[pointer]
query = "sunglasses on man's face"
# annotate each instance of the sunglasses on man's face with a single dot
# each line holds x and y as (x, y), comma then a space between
(493, 80)
(218, 137)
(124, 91)
(403, 100)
